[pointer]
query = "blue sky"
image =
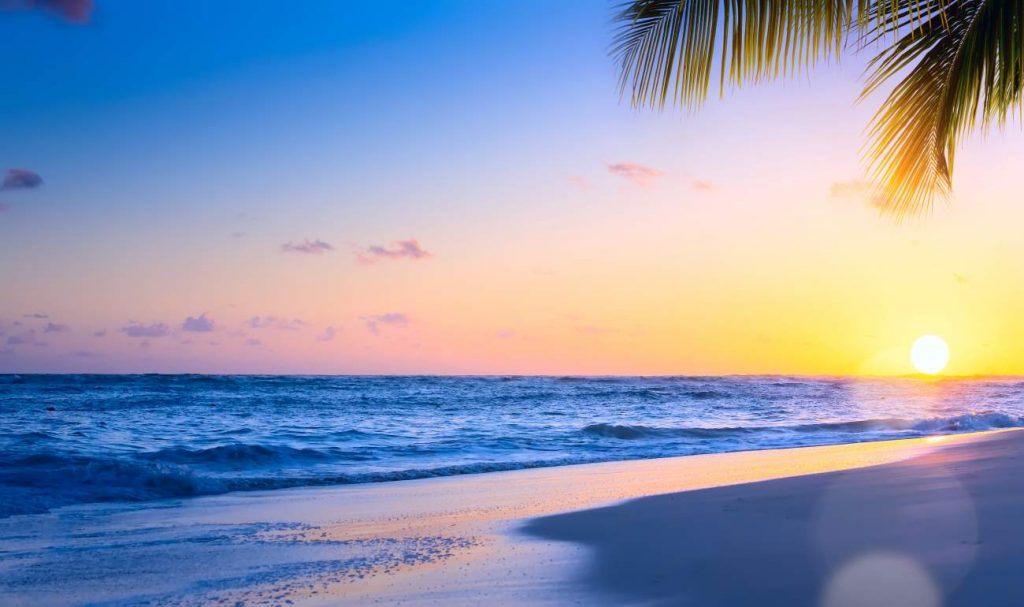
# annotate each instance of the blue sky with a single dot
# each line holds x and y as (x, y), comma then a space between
(185, 146)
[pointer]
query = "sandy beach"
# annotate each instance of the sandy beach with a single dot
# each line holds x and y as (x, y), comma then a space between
(930, 521)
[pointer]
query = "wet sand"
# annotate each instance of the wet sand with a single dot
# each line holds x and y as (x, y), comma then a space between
(943, 528)
(910, 522)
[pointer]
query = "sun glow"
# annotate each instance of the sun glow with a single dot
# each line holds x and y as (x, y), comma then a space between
(930, 354)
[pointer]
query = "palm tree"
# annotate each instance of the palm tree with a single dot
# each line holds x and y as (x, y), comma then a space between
(957, 66)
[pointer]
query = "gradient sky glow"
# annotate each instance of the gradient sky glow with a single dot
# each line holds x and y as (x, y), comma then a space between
(455, 187)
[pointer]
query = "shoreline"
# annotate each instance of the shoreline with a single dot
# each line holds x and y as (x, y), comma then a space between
(445, 538)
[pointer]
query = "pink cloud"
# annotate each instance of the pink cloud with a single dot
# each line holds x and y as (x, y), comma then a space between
(24, 338)
(702, 186)
(21, 179)
(392, 319)
(274, 322)
(401, 249)
(308, 247)
(328, 334)
(198, 324)
(637, 173)
(157, 329)
(52, 327)
(74, 11)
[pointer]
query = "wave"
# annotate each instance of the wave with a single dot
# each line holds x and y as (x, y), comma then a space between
(971, 422)
(38, 482)
(234, 453)
(41, 482)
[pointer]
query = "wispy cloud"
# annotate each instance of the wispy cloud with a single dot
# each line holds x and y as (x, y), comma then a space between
(74, 11)
(328, 334)
(858, 189)
(100, 334)
(392, 319)
(252, 342)
(23, 338)
(400, 249)
(308, 247)
(637, 173)
(36, 315)
(52, 327)
(198, 324)
(703, 186)
(134, 329)
(21, 179)
(274, 322)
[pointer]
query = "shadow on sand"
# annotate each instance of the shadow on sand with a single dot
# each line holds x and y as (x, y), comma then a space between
(945, 528)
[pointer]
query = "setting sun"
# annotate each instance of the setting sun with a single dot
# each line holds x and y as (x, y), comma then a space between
(929, 354)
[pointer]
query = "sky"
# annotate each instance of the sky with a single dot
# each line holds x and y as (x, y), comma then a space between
(456, 187)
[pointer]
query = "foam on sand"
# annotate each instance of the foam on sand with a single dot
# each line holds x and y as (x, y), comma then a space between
(452, 539)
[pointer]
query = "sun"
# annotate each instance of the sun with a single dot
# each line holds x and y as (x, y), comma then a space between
(929, 354)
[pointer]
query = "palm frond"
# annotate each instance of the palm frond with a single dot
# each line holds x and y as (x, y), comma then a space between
(958, 60)
(962, 62)
(666, 48)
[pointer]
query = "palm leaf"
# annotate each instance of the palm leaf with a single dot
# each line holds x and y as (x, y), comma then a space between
(666, 48)
(958, 59)
(962, 63)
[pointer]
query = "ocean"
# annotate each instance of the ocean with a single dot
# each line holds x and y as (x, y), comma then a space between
(72, 439)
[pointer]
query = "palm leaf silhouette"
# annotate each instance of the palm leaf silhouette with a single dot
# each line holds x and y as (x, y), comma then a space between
(956, 67)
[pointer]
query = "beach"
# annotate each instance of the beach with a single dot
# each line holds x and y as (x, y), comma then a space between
(924, 521)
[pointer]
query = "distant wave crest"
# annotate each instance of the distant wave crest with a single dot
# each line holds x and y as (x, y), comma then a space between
(972, 422)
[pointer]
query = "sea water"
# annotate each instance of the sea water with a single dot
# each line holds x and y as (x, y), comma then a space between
(68, 439)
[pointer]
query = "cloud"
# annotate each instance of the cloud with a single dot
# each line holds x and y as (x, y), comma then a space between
(21, 179)
(637, 173)
(391, 319)
(505, 334)
(37, 315)
(859, 189)
(960, 278)
(309, 247)
(252, 342)
(328, 334)
(400, 249)
(87, 354)
(100, 334)
(134, 329)
(23, 338)
(74, 11)
(52, 327)
(273, 322)
(702, 186)
(198, 324)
